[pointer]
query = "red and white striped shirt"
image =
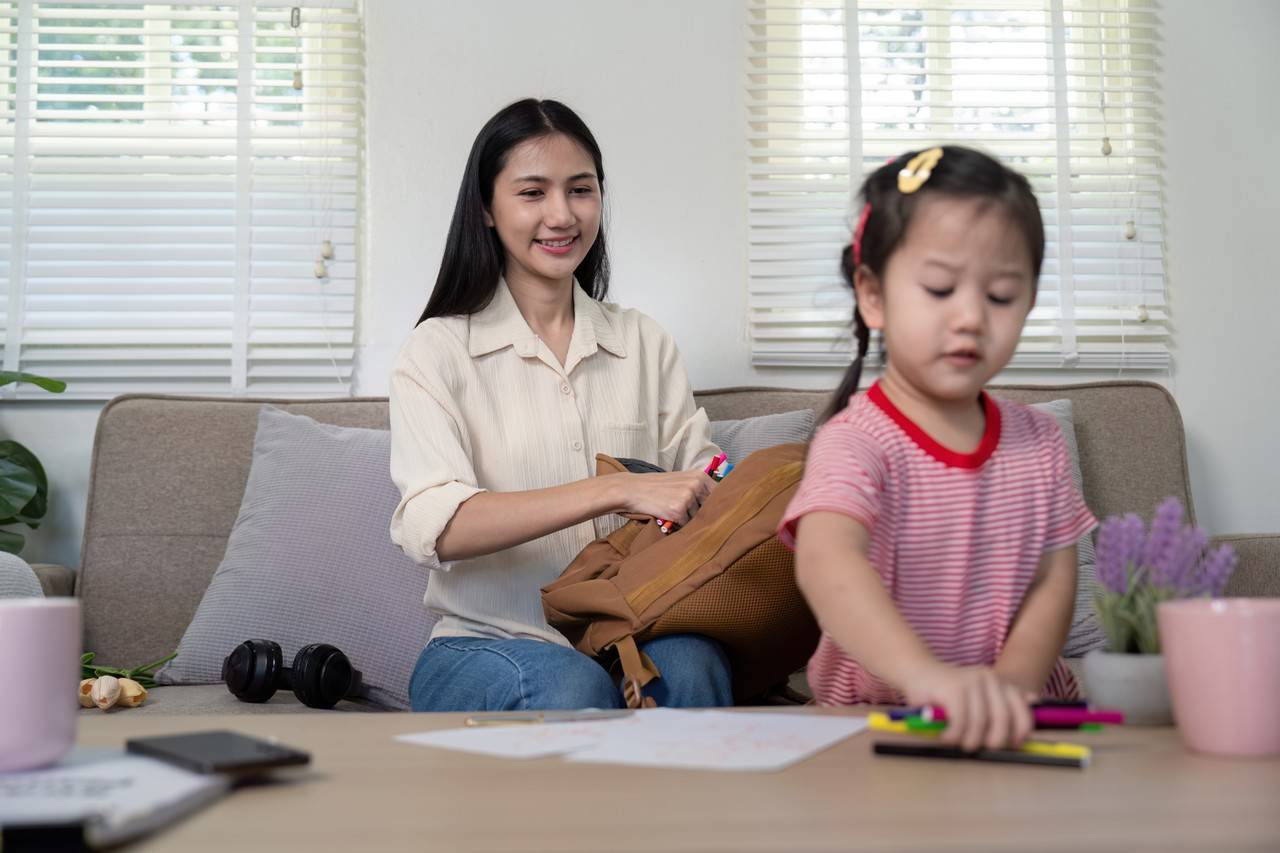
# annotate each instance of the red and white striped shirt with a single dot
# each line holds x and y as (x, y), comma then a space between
(956, 537)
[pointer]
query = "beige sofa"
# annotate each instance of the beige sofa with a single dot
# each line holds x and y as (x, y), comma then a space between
(168, 474)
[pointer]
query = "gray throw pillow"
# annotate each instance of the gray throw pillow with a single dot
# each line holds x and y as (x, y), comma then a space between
(17, 579)
(1086, 632)
(309, 560)
(739, 439)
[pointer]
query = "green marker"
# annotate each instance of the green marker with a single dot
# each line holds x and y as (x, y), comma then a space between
(919, 724)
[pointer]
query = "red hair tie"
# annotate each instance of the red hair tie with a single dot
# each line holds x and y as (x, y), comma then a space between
(857, 235)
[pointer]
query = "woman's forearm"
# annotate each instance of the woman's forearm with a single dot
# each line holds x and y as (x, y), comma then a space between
(850, 601)
(489, 522)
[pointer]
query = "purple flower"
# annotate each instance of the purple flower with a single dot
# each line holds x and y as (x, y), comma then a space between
(1177, 569)
(1163, 539)
(1120, 541)
(1215, 570)
(1137, 569)
(1171, 557)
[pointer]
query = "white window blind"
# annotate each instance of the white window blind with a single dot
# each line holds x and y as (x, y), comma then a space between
(1043, 85)
(167, 191)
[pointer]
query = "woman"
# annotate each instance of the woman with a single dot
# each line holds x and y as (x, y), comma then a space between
(515, 377)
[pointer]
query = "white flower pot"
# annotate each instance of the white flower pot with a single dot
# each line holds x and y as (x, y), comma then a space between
(1134, 684)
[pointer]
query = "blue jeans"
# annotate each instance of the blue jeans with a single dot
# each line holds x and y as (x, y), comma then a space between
(482, 674)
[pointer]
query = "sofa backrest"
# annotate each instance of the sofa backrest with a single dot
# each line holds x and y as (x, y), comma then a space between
(168, 474)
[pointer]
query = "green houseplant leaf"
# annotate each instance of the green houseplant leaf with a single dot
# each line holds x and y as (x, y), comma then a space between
(24, 488)
(53, 386)
(18, 483)
(11, 542)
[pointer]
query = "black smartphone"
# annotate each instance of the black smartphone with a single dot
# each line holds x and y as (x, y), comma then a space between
(218, 752)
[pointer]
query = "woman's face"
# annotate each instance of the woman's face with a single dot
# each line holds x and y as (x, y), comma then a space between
(546, 208)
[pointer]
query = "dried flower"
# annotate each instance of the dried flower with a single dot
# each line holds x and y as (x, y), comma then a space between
(132, 694)
(86, 692)
(1137, 569)
(106, 691)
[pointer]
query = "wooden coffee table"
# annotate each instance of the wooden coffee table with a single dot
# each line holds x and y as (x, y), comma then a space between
(368, 792)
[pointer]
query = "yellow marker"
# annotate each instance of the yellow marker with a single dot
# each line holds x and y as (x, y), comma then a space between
(1062, 750)
(878, 721)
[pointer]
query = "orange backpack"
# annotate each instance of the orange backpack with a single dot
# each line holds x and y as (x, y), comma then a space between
(723, 575)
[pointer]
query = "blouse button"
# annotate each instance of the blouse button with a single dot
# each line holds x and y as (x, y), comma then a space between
(564, 387)
(576, 445)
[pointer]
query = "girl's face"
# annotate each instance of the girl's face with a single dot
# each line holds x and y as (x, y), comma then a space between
(954, 298)
(546, 208)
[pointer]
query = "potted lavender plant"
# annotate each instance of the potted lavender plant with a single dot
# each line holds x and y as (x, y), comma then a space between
(1137, 569)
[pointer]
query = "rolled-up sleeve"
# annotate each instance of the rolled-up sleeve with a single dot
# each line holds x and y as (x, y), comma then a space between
(429, 461)
(684, 431)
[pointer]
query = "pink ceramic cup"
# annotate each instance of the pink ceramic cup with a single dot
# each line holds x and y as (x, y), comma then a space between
(1222, 660)
(40, 664)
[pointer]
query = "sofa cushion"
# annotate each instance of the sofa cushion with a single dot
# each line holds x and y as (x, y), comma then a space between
(1086, 632)
(740, 438)
(17, 580)
(310, 560)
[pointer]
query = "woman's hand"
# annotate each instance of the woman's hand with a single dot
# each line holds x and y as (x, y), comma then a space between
(675, 496)
(983, 709)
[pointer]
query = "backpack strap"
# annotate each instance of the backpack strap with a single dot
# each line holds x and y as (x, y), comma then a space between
(638, 669)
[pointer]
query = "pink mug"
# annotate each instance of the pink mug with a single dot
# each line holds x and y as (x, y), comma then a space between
(1222, 661)
(40, 661)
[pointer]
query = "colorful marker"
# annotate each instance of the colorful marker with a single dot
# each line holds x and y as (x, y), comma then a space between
(716, 461)
(880, 722)
(919, 710)
(1053, 758)
(1049, 717)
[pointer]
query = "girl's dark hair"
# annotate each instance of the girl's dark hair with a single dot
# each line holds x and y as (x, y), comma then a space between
(473, 255)
(960, 173)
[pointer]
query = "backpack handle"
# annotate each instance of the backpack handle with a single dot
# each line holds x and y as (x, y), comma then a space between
(638, 669)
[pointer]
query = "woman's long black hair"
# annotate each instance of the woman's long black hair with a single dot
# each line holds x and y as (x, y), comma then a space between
(960, 173)
(473, 255)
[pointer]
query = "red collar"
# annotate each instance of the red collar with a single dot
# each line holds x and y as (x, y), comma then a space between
(990, 436)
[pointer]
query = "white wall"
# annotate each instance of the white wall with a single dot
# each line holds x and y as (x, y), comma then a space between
(1222, 124)
(661, 85)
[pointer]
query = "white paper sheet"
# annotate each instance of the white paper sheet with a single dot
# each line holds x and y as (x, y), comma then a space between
(524, 740)
(662, 737)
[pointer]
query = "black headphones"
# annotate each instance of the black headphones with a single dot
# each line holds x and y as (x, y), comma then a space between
(319, 677)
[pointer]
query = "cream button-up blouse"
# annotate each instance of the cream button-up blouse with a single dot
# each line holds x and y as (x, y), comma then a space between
(479, 403)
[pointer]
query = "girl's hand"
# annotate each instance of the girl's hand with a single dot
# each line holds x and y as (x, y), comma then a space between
(983, 709)
(675, 496)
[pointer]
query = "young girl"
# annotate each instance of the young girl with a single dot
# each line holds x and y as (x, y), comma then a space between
(935, 527)
(515, 377)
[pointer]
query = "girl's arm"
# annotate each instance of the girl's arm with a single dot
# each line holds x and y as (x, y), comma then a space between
(494, 521)
(1040, 627)
(850, 601)
(854, 608)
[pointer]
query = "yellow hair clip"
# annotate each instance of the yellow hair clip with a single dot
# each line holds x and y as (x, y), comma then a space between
(918, 170)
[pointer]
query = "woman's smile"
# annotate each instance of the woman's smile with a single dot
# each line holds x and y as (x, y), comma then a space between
(560, 246)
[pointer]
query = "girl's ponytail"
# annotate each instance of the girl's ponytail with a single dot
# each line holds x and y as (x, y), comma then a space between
(849, 383)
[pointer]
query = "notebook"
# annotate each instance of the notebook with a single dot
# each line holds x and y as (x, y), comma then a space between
(105, 796)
